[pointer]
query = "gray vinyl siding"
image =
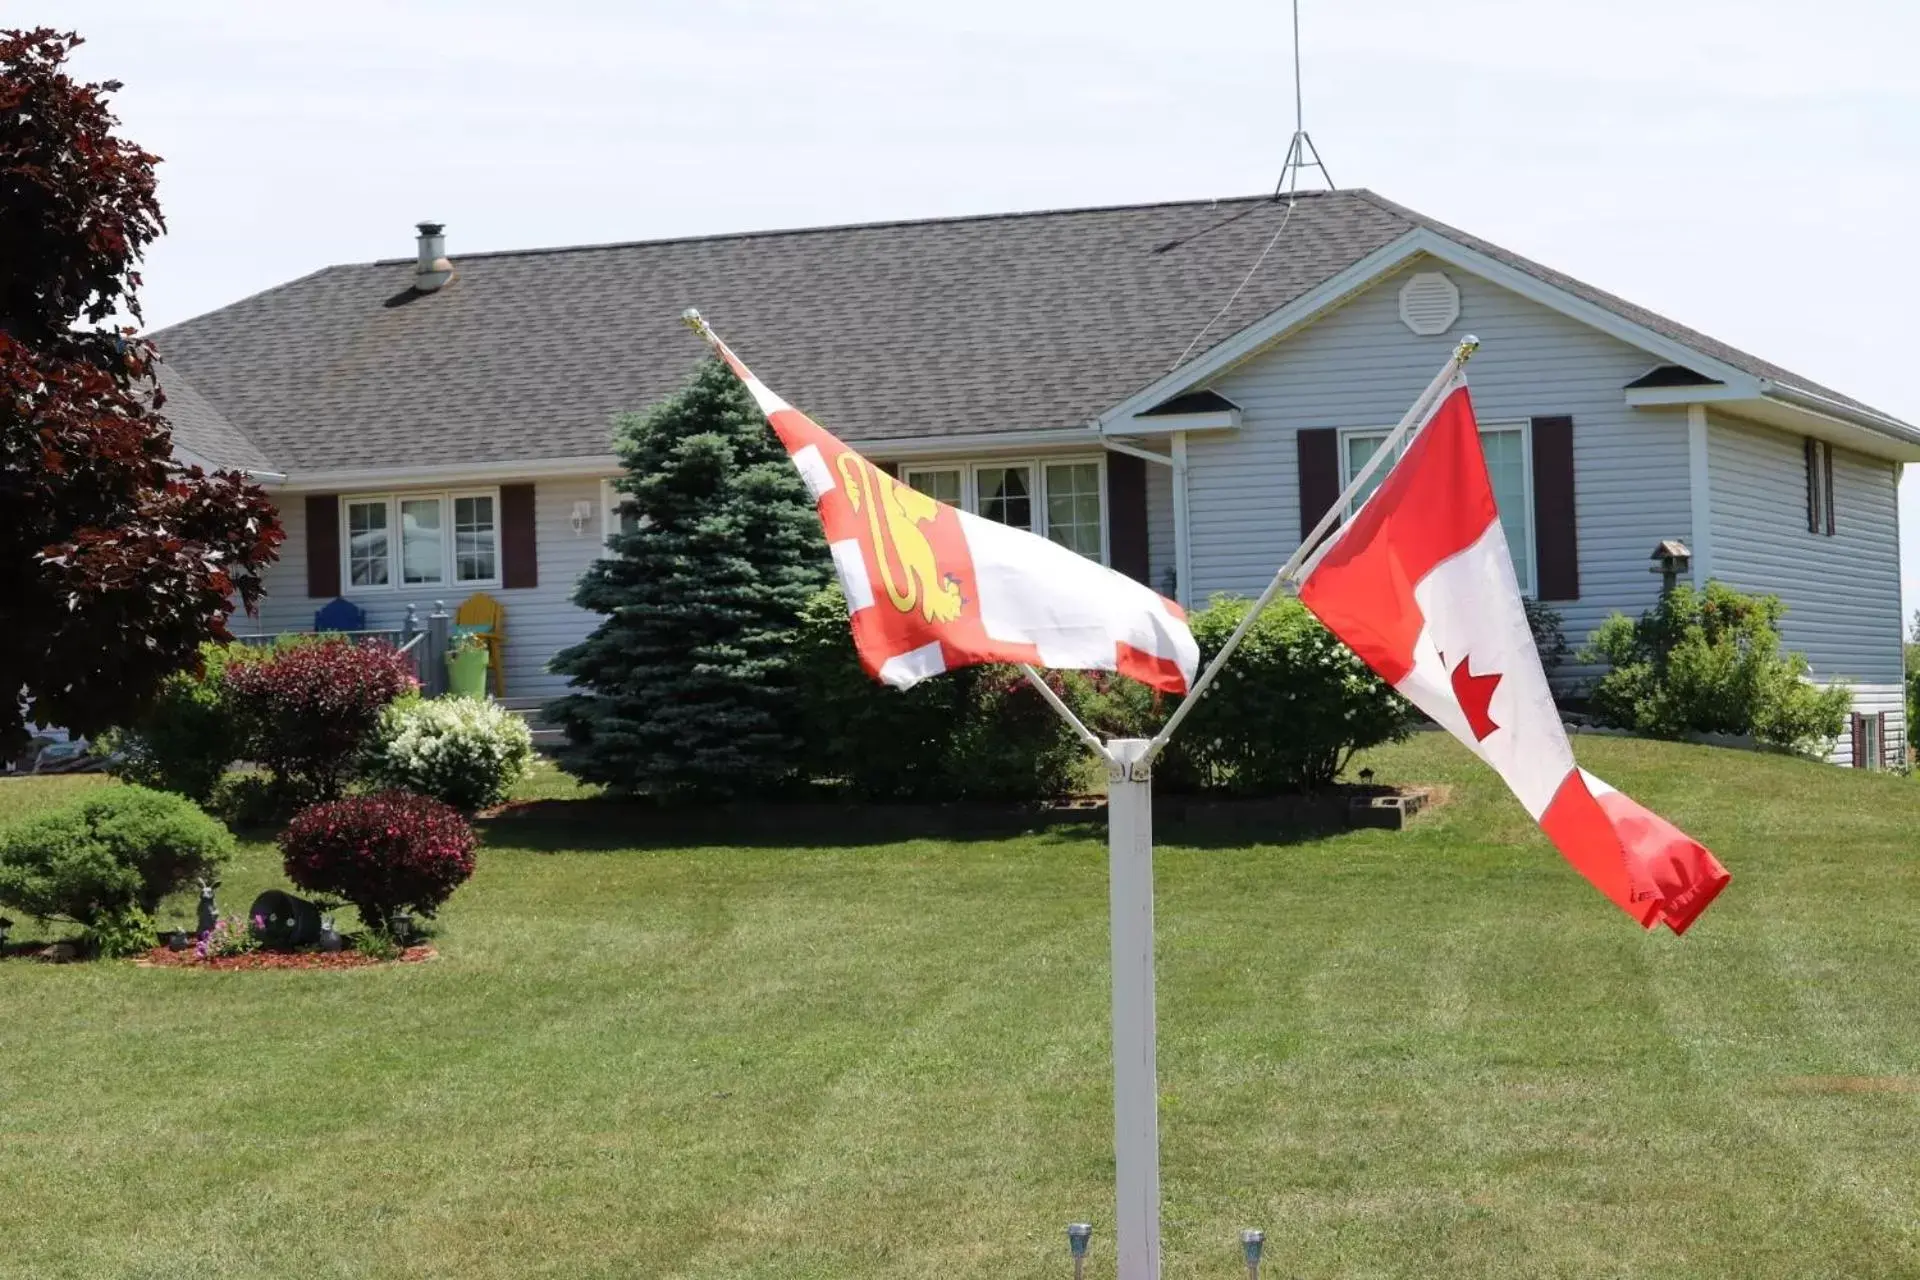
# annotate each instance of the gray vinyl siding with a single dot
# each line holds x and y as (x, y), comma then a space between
(1160, 561)
(1842, 592)
(540, 620)
(1359, 366)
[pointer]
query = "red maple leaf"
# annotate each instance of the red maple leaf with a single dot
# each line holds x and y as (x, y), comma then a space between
(1475, 696)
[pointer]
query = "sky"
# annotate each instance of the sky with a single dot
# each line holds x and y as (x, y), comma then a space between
(1750, 169)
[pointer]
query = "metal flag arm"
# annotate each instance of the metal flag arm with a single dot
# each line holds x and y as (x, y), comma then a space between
(1381, 457)
(1055, 701)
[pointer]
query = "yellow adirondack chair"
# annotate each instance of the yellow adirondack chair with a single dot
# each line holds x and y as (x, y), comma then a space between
(478, 611)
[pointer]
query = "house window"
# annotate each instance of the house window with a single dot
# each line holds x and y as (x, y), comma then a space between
(942, 484)
(1073, 506)
(616, 513)
(1509, 466)
(1060, 499)
(426, 555)
(1005, 495)
(422, 546)
(476, 539)
(1819, 487)
(369, 553)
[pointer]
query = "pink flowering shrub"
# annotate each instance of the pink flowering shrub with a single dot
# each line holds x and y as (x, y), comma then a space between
(228, 937)
(308, 710)
(382, 853)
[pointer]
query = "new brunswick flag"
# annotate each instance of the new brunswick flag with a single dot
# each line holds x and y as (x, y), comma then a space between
(930, 587)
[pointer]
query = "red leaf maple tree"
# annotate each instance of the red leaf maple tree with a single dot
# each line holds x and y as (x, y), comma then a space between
(115, 563)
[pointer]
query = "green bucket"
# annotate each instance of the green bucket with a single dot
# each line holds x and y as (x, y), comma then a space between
(467, 673)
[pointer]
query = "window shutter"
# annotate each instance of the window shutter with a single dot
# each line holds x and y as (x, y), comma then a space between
(519, 562)
(1319, 452)
(1556, 534)
(1880, 735)
(1127, 515)
(1826, 475)
(323, 545)
(1859, 741)
(1813, 502)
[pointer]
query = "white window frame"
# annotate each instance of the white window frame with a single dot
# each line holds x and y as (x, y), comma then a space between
(347, 503)
(970, 489)
(395, 569)
(1529, 586)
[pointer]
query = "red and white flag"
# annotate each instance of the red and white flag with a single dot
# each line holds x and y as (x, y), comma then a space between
(1420, 584)
(930, 588)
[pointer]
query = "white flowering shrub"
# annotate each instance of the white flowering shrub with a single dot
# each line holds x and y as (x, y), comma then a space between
(461, 751)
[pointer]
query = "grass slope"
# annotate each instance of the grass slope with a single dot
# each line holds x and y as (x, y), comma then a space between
(1427, 1053)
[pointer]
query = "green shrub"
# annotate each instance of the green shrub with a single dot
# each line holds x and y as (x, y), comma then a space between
(1549, 635)
(1286, 715)
(1710, 662)
(185, 740)
(129, 932)
(1913, 683)
(979, 733)
(1010, 745)
(113, 851)
(460, 751)
(1288, 710)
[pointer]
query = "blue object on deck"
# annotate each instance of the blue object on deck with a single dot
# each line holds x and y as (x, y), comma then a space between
(341, 615)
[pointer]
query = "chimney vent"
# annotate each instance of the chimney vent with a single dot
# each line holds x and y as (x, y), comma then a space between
(433, 269)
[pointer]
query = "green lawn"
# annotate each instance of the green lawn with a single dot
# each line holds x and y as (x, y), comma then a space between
(1419, 1054)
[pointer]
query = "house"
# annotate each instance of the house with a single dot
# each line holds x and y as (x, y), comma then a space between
(1044, 369)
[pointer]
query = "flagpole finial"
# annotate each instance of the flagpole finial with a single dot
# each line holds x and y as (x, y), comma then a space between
(692, 318)
(1461, 354)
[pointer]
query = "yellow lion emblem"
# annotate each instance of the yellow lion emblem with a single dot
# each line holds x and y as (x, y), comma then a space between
(904, 510)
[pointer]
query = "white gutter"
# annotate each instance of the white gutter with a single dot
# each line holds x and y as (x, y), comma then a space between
(978, 442)
(966, 445)
(389, 477)
(1833, 408)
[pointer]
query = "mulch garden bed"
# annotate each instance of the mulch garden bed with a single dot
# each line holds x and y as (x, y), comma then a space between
(163, 958)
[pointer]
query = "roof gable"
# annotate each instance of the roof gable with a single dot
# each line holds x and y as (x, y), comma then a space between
(201, 433)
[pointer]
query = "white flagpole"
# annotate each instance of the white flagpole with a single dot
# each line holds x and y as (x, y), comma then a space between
(1136, 1102)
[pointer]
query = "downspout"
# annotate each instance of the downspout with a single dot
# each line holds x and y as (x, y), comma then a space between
(1700, 494)
(1182, 543)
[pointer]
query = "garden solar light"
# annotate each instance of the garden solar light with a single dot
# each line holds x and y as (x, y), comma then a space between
(1251, 1243)
(1078, 1233)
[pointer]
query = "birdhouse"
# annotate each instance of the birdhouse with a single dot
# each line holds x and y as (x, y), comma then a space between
(1671, 558)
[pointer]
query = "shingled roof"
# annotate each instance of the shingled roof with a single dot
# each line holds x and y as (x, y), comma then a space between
(202, 430)
(888, 330)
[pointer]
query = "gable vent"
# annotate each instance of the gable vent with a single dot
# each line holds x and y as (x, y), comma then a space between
(1429, 303)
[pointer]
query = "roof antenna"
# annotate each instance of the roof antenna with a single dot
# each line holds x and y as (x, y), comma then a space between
(1302, 146)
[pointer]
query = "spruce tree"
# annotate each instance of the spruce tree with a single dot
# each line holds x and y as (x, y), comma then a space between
(689, 682)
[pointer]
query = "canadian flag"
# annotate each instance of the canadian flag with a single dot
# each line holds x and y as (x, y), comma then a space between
(1420, 584)
(930, 587)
